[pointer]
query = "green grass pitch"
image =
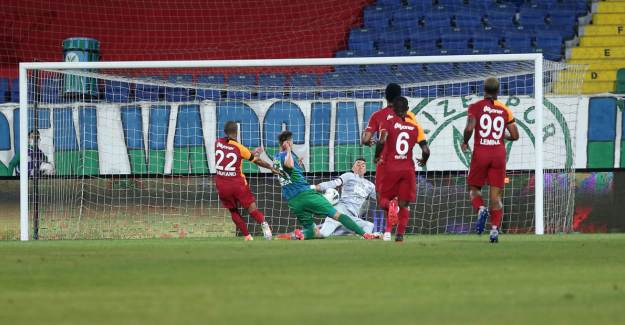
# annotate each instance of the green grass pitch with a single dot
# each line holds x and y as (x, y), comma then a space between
(561, 279)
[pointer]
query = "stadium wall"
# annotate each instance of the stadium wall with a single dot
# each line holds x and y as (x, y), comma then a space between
(326, 133)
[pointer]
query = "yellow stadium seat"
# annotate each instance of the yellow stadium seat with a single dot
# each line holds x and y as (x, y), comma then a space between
(604, 40)
(610, 7)
(596, 52)
(606, 19)
(606, 30)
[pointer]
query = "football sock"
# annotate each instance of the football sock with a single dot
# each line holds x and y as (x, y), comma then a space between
(495, 217)
(258, 216)
(350, 224)
(477, 202)
(238, 220)
(309, 232)
(403, 220)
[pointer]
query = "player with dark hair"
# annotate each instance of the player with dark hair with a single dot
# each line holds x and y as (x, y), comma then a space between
(392, 92)
(488, 119)
(232, 187)
(356, 191)
(303, 201)
(38, 163)
(398, 136)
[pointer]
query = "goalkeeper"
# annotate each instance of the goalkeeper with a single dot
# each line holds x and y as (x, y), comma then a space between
(302, 200)
(356, 191)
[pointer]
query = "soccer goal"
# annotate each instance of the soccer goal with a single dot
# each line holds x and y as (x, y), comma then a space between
(126, 149)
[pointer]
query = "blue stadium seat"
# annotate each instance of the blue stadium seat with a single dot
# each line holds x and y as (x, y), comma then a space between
(361, 35)
(379, 68)
(178, 94)
(419, 5)
(458, 40)
(533, 18)
(424, 41)
(300, 82)
(390, 4)
(331, 80)
(362, 47)
(471, 67)
(377, 18)
(245, 84)
(215, 83)
(344, 69)
(51, 90)
(518, 42)
(345, 54)
(486, 42)
(411, 69)
(15, 91)
(435, 19)
(456, 90)
(422, 92)
(271, 86)
(148, 92)
(116, 91)
(467, 21)
(502, 19)
(392, 47)
(4, 90)
(406, 18)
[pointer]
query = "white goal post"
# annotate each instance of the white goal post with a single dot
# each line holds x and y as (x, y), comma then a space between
(536, 59)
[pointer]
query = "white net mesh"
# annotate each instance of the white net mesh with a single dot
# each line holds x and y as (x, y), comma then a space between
(127, 156)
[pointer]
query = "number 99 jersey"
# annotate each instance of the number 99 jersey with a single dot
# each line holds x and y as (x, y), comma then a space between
(491, 117)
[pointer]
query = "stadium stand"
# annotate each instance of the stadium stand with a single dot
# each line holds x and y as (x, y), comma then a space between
(381, 28)
(602, 47)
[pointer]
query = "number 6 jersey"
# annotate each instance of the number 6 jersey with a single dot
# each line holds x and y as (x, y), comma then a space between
(491, 117)
(401, 139)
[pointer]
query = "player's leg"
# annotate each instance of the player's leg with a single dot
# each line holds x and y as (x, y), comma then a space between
(329, 227)
(388, 192)
(475, 180)
(408, 184)
(317, 204)
(386, 204)
(252, 209)
(496, 179)
(367, 226)
(228, 199)
(240, 223)
(300, 206)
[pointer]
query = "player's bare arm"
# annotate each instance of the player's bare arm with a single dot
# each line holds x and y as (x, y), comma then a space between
(365, 138)
(513, 132)
(288, 159)
(425, 153)
(266, 165)
(380, 145)
(468, 132)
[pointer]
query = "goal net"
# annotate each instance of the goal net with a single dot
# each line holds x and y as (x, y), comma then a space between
(126, 150)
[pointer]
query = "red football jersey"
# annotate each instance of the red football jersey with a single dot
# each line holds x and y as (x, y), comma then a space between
(378, 117)
(228, 159)
(492, 117)
(403, 135)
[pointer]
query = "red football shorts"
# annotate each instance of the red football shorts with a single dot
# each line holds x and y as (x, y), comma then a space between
(233, 194)
(487, 167)
(401, 184)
